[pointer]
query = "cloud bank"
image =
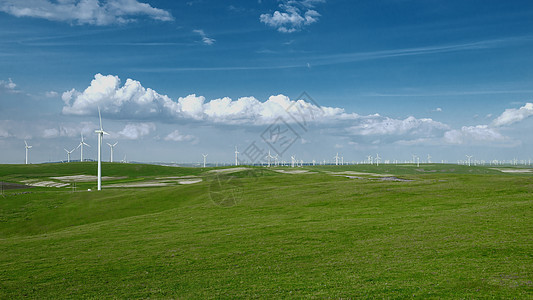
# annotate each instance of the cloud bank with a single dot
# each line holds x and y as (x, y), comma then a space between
(132, 101)
(85, 12)
(292, 16)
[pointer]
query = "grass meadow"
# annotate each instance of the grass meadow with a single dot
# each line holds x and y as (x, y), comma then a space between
(447, 231)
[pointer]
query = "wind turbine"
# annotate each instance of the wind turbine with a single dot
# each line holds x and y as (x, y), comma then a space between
(68, 154)
(469, 159)
(236, 156)
(81, 149)
(100, 133)
(112, 146)
(377, 159)
(205, 157)
(429, 159)
(293, 159)
(269, 156)
(27, 147)
(336, 159)
(369, 159)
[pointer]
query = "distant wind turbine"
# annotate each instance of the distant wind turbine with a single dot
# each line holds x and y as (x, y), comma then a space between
(377, 159)
(205, 157)
(100, 133)
(68, 154)
(336, 159)
(27, 147)
(429, 159)
(236, 156)
(112, 146)
(469, 157)
(293, 160)
(81, 147)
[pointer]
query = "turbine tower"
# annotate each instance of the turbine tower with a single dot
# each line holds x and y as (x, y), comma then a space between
(336, 159)
(293, 159)
(205, 157)
(100, 133)
(112, 146)
(377, 159)
(81, 149)
(429, 159)
(68, 154)
(27, 147)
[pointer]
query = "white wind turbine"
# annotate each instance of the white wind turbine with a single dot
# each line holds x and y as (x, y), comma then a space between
(293, 160)
(205, 157)
(469, 157)
(68, 154)
(112, 146)
(429, 159)
(236, 156)
(100, 133)
(81, 147)
(377, 159)
(27, 147)
(336, 159)
(276, 160)
(369, 158)
(269, 156)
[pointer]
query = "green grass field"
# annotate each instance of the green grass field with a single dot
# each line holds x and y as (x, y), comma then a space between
(450, 232)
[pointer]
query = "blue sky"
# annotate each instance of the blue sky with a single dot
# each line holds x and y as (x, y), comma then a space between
(176, 79)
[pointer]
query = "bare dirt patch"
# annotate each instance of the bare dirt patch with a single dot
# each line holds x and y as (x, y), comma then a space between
(513, 170)
(229, 170)
(295, 171)
(84, 178)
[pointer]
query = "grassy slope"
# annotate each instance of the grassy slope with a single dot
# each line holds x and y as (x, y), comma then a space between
(443, 235)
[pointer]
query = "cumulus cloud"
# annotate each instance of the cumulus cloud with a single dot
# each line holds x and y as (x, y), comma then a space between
(81, 12)
(473, 135)
(293, 15)
(177, 136)
(205, 39)
(513, 115)
(133, 101)
(8, 85)
(378, 125)
(135, 131)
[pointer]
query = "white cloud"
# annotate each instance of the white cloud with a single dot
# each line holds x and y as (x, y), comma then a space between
(205, 39)
(51, 94)
(133, 101)
(134, 131)
(438, 109)
(4, 133)
(378, 125)
(91, 12)
(513, 115)
(473, 135)
(69, 130)
(8, 85)
(293, 15)
(176, 136)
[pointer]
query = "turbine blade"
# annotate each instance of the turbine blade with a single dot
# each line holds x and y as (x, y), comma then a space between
(25, 143)
(100, 117)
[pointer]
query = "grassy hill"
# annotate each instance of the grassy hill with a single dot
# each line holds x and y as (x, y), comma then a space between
(460, 233)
